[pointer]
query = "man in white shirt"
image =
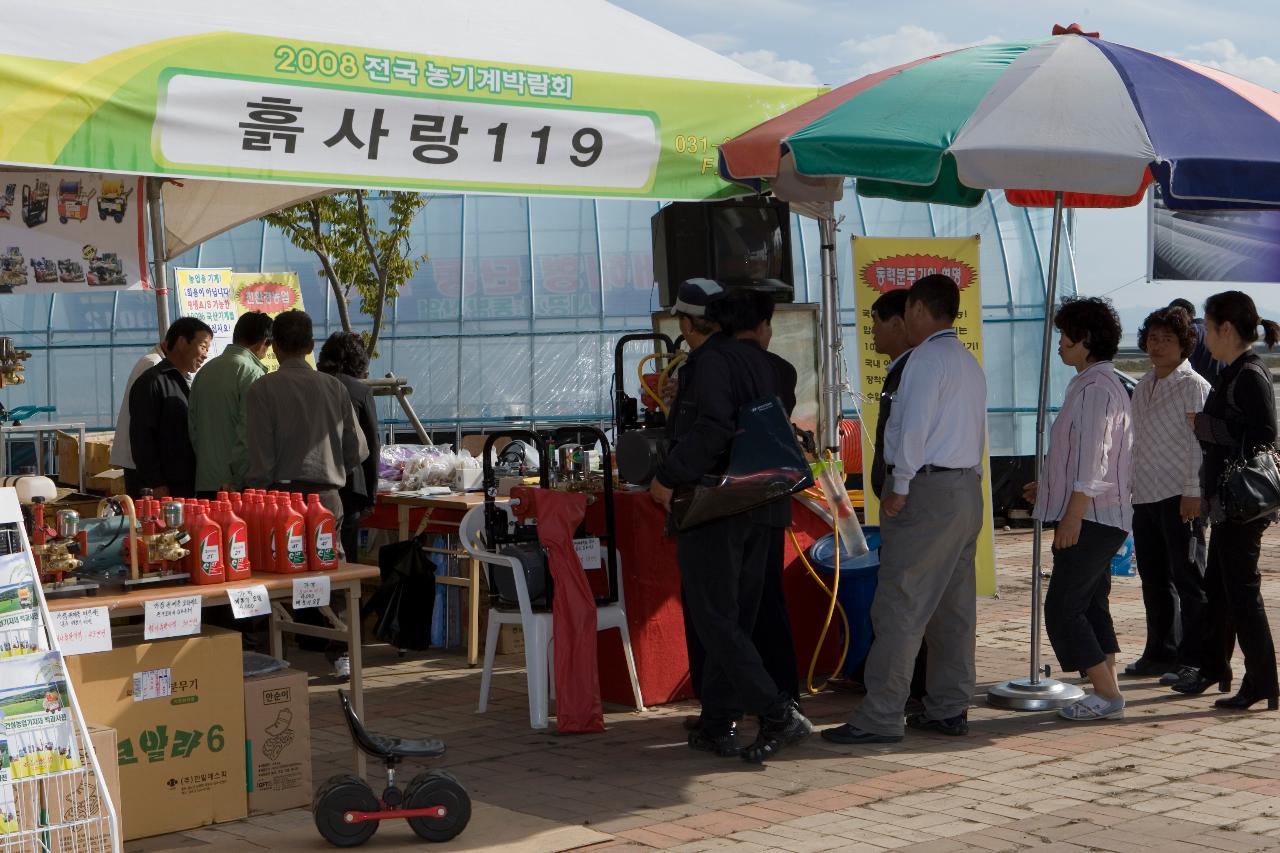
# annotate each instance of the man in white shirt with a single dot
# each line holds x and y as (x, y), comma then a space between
(929, 530)
(1168, 534)
(121, 452)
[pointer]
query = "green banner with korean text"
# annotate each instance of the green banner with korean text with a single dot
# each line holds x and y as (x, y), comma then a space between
(253, 107)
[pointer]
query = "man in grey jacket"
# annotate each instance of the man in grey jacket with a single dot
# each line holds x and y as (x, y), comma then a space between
(302, 431)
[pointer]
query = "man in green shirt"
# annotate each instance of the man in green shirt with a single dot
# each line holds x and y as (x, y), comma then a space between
(217, 416)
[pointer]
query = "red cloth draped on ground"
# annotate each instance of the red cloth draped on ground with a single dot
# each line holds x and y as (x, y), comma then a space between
(573, 615)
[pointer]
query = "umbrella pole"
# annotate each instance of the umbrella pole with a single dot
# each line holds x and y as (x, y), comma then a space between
(160, 276)
(1038, 693)
(831, 362)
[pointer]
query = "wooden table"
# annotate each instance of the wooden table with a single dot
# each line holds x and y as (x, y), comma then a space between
(346, 578)
(452, 504)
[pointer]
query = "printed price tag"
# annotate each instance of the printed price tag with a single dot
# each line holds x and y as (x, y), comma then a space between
(152, 684)
(311, 592)
(249, 601)
(84, 631)
(171, 617)
(588, 552)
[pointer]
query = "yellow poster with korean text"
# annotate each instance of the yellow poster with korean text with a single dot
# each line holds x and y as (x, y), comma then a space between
(219, 297)
(882, 264)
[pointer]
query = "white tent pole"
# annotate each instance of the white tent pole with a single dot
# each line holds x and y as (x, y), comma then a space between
(160, 279)
(831, 360)
(1040, 693)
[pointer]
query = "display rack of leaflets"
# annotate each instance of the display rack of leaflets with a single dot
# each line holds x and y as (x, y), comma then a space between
(52, 795)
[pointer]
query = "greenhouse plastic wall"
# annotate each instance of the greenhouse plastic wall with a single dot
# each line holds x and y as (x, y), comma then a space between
(514, 313)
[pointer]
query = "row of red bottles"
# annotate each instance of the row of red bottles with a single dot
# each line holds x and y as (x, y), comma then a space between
(257, 531)
(287, 534)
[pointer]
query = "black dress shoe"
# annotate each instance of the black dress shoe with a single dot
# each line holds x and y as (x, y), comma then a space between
(1196, 682)
(724, 745)
(1247, 698)
(848, 734)
(956, 726)
(777, 731)
(1145, 667)
(1171, 678)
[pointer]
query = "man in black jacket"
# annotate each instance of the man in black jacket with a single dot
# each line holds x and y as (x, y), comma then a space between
(723, 562)
(158, 436)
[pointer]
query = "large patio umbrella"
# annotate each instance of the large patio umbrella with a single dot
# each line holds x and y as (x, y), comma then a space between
(1069, 121)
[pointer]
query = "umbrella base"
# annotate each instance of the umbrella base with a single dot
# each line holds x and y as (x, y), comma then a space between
(1045, 694)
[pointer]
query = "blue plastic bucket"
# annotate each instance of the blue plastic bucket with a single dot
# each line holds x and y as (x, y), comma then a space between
(858, 576)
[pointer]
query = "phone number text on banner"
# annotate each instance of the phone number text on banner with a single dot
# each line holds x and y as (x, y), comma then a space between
(321, 130)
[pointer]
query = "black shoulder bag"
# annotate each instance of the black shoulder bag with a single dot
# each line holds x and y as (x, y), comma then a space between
(766, 463)
(1250, 487)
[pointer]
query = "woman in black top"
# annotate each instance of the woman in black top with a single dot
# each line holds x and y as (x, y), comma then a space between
(1239, 416)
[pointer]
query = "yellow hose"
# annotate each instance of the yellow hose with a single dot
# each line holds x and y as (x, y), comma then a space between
(831, 608)
(672, 360)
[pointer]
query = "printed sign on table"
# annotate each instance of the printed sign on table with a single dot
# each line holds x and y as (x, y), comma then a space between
(311, 592)
(82, 631)
(171, 617)
(882, 264)
(68, 232)
(249, 601)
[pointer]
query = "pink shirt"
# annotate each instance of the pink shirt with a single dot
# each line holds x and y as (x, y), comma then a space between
(1090, 451)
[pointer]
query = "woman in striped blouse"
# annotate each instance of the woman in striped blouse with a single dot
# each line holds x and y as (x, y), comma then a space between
(1085, 488)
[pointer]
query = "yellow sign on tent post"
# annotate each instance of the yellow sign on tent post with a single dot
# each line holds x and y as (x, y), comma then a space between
(882, 264)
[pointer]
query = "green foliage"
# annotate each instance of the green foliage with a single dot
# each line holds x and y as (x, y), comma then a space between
(364, 254)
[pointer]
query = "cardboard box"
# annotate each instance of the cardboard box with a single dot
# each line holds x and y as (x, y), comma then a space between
(277, 724)
(77, 797)
(109, 482)
(97, 455)
(86, 505)
(180, 755)
(510, 640)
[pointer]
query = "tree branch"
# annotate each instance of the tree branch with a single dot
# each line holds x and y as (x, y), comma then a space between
(313, 212)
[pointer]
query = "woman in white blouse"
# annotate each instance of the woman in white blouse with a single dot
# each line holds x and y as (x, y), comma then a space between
(1085, 489)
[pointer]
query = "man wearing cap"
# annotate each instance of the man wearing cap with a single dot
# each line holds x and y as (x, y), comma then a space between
(723, 561)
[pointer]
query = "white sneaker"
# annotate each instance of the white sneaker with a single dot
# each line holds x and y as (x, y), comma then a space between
(342, 667)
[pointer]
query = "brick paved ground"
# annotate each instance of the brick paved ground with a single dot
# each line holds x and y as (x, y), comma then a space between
(1174, 775)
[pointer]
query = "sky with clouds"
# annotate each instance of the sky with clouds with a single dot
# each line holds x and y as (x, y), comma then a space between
(831, 42)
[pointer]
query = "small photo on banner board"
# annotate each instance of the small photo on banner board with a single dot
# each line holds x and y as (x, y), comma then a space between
(221, 296)
(882, 264)
(71, 232)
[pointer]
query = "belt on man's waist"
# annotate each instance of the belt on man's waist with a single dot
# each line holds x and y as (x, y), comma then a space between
(927, 469)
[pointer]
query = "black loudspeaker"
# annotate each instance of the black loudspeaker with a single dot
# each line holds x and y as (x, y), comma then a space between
(681, 250)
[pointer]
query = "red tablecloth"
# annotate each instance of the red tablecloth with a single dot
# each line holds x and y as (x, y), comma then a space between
(655, 617)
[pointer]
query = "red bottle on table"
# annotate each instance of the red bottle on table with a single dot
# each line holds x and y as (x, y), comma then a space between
(322, 556)
(206, 548)
(289, 539)
(235, 538)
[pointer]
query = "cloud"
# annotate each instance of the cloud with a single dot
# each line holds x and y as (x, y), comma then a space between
(1225, 56)
(905, 44)
(768, 62)
(719, 42)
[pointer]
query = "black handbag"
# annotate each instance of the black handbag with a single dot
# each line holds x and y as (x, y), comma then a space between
(1250, 487)
(766, 463)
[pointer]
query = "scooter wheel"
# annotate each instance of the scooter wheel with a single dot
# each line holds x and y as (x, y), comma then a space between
(334, 799)
(438, 788)
(62, 219)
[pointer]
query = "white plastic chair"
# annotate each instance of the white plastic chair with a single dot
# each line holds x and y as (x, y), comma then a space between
(537, 626)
